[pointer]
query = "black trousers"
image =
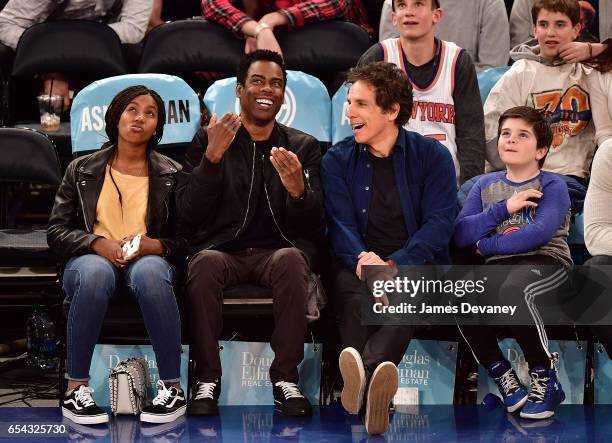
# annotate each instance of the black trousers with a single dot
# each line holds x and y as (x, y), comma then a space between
(602, 332)
(376, 344)
(540, 273)
(284, 270)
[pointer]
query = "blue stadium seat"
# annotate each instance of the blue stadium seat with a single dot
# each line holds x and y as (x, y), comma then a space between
(341, 127)
(89, 107)
(488, 78)
(576, 233)
(306, 107)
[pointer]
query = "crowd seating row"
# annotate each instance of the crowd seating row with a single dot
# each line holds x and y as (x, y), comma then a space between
(89, 51)
(27, 155)
(307, 107)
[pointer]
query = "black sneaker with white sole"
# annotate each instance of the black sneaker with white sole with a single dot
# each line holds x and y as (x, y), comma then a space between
(167, 406)
(289, 400)
(204, 398)
(79, 406)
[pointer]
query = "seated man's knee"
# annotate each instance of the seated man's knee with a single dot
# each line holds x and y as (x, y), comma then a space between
(291, 260)
(206, 263)
(206, 271)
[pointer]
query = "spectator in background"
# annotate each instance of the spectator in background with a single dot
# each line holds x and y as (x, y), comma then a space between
(172, 10)
(559, 91)
(600, 88)
(128, 18)
(596, 26)
(478, 26)
(597, 208)
(447, 104)
(258, 19)
(156, 15)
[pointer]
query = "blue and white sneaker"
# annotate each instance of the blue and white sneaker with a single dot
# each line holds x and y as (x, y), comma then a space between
(513, 392)
(545, 395)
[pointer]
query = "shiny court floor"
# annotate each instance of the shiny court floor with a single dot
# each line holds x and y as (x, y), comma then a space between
(328, 424)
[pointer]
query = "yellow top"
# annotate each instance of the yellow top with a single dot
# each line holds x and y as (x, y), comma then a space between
(111, 221)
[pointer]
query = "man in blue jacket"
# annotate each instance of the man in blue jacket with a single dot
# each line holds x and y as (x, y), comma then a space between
(391, 199)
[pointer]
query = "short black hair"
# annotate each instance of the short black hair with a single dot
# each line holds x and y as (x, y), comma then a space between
(533, 118)
(391, 85)
(435, 4)
(260, 55)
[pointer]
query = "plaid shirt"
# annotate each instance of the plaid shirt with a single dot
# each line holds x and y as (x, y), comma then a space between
(297, 12)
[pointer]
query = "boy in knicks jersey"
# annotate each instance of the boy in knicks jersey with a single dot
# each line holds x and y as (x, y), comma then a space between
(559, 91)
(447, 104)
(519, 218)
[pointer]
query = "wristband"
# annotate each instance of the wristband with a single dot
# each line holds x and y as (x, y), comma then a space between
(590, 50)
(260, 27)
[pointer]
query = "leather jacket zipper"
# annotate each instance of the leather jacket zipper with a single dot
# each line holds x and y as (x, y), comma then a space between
(307, 176)
(167, 212)
(83, 206)
(270, 205)
(246, 214)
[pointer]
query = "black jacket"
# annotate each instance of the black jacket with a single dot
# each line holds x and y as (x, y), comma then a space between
(219, 201)
(70, 231)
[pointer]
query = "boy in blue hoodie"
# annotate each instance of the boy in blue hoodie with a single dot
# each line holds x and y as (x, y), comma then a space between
(520, 217)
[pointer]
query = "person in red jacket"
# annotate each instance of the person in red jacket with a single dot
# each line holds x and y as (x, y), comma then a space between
(257, 20)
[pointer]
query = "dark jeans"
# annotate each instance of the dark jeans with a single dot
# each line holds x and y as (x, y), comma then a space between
(284, 270)
(602, 332)
(519, 281)
(376, 344)
(89, 283)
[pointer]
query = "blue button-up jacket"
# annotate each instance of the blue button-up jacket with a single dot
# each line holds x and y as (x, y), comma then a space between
(425, 179)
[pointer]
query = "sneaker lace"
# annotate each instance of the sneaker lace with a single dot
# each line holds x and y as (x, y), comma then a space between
(508, 382)
(83, 395)
(163, 394)
(538, 388)
(290, 390)
(205, 390)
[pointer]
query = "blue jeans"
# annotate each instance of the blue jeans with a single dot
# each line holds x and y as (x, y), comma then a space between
(89, 283)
